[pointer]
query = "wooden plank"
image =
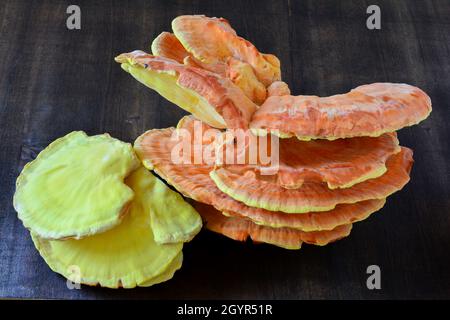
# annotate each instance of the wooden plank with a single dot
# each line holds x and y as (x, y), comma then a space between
(54, 81)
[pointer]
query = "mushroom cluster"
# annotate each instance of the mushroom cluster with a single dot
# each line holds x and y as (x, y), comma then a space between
(338, 157)
(255, 161)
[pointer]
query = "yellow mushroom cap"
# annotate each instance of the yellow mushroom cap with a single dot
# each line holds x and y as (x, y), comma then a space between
(75, 188)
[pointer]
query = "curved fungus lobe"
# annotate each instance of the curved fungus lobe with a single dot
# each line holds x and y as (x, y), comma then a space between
(167, 274)
(241, 229)
(75, 187)
(240, 73)
(259, 191)
(208, 96)
(213, 41)
(278, 88)
(368, 110)
(312, 221)
(154, 148)
(168, 46)
(341, 163)
(172, 219)
(125, 256)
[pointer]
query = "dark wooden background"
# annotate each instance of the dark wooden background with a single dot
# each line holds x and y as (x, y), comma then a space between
(53, 81)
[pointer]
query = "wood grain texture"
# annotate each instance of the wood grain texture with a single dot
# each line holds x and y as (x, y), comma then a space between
(53, 81)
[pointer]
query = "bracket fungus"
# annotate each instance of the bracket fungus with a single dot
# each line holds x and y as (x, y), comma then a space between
(255, 191)
(76, 184)
(213, 40)
(212, 44)
(338, 160)
(154, 148)
(125, 256)
(241, 229)
(57, 194)
(340, 163)
(368, 110)
(208, 96)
